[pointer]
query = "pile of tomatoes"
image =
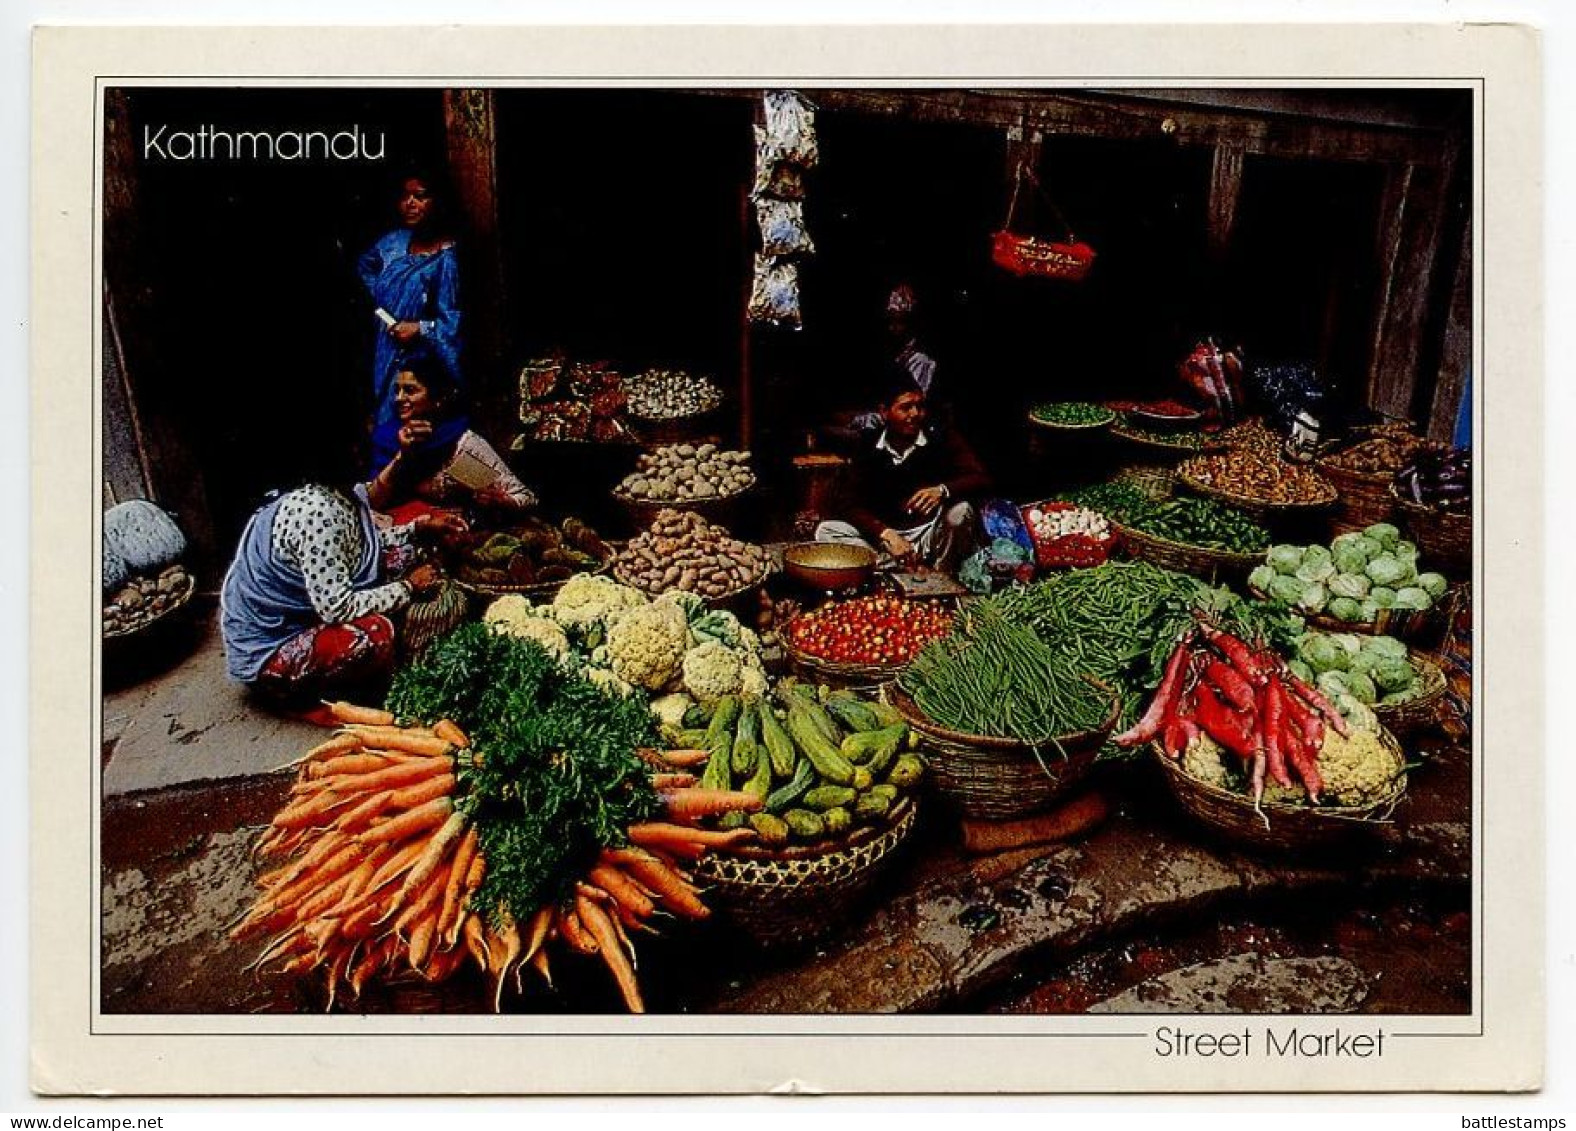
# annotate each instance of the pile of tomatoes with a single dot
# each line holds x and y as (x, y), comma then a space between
(885, 631)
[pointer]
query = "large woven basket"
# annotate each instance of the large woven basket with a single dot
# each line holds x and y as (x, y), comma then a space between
(835, 674)
(1365, 497)
(1403, 624)
(719, 509)
(1444, 538)
(541, 591)
(736, 599)
(1157, 483)
(1419, 713)
(798, 896)
(1144, 437)
(1279, 827)
(1252, 504)
(1001, 778)
(1211, 565)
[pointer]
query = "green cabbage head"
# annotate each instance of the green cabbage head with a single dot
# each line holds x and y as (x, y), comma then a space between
(1433, 584)
(1386, 570)
(1354, 585)
(1285, 558)
(1411, 597)
(1385, 534)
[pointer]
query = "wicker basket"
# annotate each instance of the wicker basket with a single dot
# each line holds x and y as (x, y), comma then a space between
(798, 896)
(1163, 443)
(1212, 565)
(1365, 497)
(1157, 483)
(1056, 426)
(733, 598)
(540, 591)
(1444, 538)
(1278, 827)
(1251, 504)
(1001, 778)
(1421, 712)
(855, 677)
(165, 617)
(1403, 624)
(720, 509)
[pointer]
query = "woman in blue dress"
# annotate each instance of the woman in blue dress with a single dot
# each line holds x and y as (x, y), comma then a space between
(412, 275)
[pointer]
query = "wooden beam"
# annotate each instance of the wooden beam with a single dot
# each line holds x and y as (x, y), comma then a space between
(1455, 361)
(1225, 190)
(471, 140)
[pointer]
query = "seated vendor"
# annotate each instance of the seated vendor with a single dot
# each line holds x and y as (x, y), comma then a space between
(908, 487)
(309, 608)
(431, 460)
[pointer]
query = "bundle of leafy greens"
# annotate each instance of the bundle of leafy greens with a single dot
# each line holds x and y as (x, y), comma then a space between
(554, 775)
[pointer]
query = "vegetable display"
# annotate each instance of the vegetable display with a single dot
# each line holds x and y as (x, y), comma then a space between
(1207, 523)
(534, 552)
(1072, 414)
(1357, 672)
(1131, 428)
(1438, 479)
(408, 850)
(670, 394)
(1067, 535)
(688, 473)
(141, 600)
(1260, 477)
(1282, 738)
(884, 631)
(1162, 409)
(1379, 455)
(682, 550)
(572, 400)
(1353, 579)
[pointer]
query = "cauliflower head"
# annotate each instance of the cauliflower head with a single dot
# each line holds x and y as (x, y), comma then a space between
(1202, 760)
(645, 645)
(712, 670)
(609, 682)
(753, 683)
(513, 616)
(1358, 769)
(587, 599)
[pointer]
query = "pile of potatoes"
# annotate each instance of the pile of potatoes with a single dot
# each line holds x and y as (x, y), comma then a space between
(144, 599)
(682, 550)
(680, 473)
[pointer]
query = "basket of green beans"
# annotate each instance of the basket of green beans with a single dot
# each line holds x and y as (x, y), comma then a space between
(1197, 536)
(1010, 723)
(1071, 415)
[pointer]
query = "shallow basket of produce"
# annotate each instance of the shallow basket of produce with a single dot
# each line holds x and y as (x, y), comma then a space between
(1443, 536)
(533, 559)
(1277, 826)
(1291, 487)
(856, 676)
(158, 603)
(1212, 565)
(1422, 710)
(862, 642)
(722, 509)
(1180, 441)
(1071, 416)
(536, 592)
(1001, 778)
(1404, 624)
(800, 895)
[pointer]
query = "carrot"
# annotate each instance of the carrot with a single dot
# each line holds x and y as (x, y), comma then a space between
(536, 932)
(450, 733)
(1166, 694)
(625, 891)
(475, 939)
(673, 781)
(443, 964)
(344, 742)
(683, 759)
(350, 713)
(1272, 711)
(574, 933)
(454, 890)
(306, 813)
(540, 964)
(409, 823)
(1232, 684)
(408, 741)
(421, 938)
(421, 900)
(694, 804)
(508, 951)
(683, 839)
(603, 933)
(426, 864)
(375, 958)
(362, 763)
(400, 774)
(664, 882)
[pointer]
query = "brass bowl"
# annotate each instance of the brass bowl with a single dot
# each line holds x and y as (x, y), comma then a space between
(829, 566)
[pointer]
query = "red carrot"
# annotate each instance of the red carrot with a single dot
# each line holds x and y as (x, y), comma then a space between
(1240, 655)
(1224, 726)
(1231, 684)
(1166, 696)
(1320, 704)
(1270, 728)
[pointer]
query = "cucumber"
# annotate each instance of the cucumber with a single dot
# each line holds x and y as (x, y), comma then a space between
(696, 717)
(824, 724)
(907, 772)
(779, 747)
(873, 747)
(889, 715)
(804, 824)
(884, 789)
(838, 820)
(733, 819)
(692, 738)
(853, 714)
(746, 741)
(760, 782)
(723, 721)
(772, 829)
(786, 795)
(825, 797)
(823, 755)
(872, 807)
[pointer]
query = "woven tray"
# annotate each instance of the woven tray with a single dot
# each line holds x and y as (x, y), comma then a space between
(1149, 439)
(181, 600)
(1157, 483)
(1057, 426)
(1251, 504)
(1211, 565)
(1423, 711)
(719, 509)
(1277, 827)
(729, 599)
(1001, 778)
(801, 895)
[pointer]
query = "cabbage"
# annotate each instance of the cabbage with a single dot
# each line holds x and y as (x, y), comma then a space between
(1386, 647)
(1315, 571)
(1350, 559)
(1382, 596)
(1405, 695)
(1351, 540)
(1361, 688)
(1433, 584)
(1366, 661)
(1354, 585)
(1316, 556)
(1285, 559)
(1385, 570)
(1359, 714)
(1411, 598)
(1322, 653)
(1393, 675)
(1287, 590)
(1313, 598)
(1405, 549)
(1301, 670)
(1345, 609)
(1261, 577)
(1332, 684)
(1349, 641)
(1383, 533)
(1369, 609)
(1408, 573)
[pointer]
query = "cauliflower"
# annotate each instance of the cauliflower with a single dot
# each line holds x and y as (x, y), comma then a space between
(1359, 769)
(513, 615)
(645, 645)
(609, 682)
(587, 599)
(752, 681)
(1202, 760)
(712, 670)
(671, 709)
(692, 604)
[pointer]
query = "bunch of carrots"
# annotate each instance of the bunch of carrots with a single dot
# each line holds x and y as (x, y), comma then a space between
(378, 859)
(1246, 699)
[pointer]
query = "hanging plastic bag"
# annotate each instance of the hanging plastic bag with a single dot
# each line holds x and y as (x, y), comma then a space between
(790, 128)
(774, 295)
(782, 227)
(775, 176)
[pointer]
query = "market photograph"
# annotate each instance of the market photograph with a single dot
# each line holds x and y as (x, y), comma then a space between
(909, 550)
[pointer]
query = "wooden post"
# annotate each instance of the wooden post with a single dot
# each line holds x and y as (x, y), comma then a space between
(1225, 190)
(1455, 360)
(471, 135)
(1412, 211)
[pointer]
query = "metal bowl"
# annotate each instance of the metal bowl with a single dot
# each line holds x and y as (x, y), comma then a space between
(829, 566)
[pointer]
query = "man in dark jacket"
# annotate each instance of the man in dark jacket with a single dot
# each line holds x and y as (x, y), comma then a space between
(908, 489)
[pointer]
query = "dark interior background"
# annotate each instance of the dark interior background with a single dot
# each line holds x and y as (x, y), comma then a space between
(625, 235)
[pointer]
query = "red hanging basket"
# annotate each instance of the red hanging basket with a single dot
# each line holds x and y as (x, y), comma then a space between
(1026, 255)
